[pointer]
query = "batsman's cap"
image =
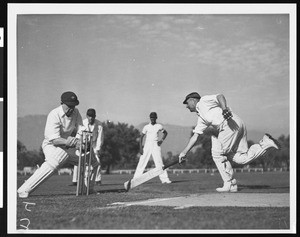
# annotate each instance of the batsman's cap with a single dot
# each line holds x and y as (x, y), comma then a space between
(69, 98)
(153, 115)
(91, 112)
(192, 95)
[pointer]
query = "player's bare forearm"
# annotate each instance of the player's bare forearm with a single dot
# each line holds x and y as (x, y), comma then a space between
(66, 143)
(59, 141)
(222, 101)
(190, 144)
(165, 134)
(141, 143)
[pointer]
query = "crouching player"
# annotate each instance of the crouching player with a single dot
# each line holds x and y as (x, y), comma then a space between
(62, 131)
(93, 125)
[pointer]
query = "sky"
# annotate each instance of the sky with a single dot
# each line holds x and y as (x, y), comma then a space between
(128, 65)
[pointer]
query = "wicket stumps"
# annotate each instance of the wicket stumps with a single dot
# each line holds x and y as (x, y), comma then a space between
(84, 160)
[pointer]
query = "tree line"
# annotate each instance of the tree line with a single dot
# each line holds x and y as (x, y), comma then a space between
(120, 150)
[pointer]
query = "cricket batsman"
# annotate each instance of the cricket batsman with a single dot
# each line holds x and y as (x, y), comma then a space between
(230, 141)
(62, 132)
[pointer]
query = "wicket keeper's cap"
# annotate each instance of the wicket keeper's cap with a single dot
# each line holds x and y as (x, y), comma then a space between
(191, 95)
(69, 98)
(153, 115)
(91, 113)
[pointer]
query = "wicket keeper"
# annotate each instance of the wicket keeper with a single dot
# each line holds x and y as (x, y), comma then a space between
(93, 125)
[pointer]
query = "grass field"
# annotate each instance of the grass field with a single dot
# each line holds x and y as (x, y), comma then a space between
(54, 205)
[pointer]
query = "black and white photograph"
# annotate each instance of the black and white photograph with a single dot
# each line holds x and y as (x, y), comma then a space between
(1, 61)
(151, 118)
(1, 153)
(1, 116)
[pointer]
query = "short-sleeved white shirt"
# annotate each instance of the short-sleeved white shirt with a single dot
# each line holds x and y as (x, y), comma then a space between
(97, 130)
(151, 131)
(209, 113)
(58, 125)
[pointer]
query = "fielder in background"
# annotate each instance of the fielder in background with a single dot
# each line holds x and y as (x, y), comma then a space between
(230, 141)
(152, 147)
(93, 125)
(62, 132)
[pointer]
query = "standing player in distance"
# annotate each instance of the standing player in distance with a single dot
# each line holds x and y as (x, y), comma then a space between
(62, 131)
(93, 125)
(152, 147)
(230, 143)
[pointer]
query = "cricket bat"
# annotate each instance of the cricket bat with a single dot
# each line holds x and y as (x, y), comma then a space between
(147, 176)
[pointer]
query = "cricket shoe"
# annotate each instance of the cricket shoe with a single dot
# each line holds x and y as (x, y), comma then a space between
(167, 182)
(23, 194)
(229, 186)
(269, 141)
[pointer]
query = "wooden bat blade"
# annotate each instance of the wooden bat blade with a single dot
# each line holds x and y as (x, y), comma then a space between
(147, 176)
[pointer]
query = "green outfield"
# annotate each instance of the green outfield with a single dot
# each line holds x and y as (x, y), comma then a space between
(54, 206)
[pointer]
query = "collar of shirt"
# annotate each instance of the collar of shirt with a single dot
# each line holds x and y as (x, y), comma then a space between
(61, 112)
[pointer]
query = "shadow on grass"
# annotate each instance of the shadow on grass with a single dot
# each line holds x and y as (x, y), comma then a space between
(109, 184)
(120, 190)
(183, 181)
(52, 195)
(241, 187)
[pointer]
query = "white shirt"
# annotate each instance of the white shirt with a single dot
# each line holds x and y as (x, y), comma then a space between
(97, 130)
(209, 113)
(58, 125)
(152, 131)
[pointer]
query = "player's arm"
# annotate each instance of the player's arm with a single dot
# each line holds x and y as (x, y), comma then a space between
(100, 139)
(141, 143)
(223, 104)
(188, 147)
(67, 143)
(165, 134)
(52, 132)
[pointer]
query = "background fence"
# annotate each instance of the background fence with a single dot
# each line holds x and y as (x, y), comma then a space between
(69, 171)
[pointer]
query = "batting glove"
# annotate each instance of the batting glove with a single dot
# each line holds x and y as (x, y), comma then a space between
(227, 114)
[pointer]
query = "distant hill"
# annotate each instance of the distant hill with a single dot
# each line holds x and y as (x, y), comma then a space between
(31, 134)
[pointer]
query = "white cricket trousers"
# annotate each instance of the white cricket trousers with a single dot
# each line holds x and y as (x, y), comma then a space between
(151, 148)
(232, 144)
(55, 157)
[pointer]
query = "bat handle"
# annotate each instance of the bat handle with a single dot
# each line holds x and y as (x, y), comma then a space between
(172, 163)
